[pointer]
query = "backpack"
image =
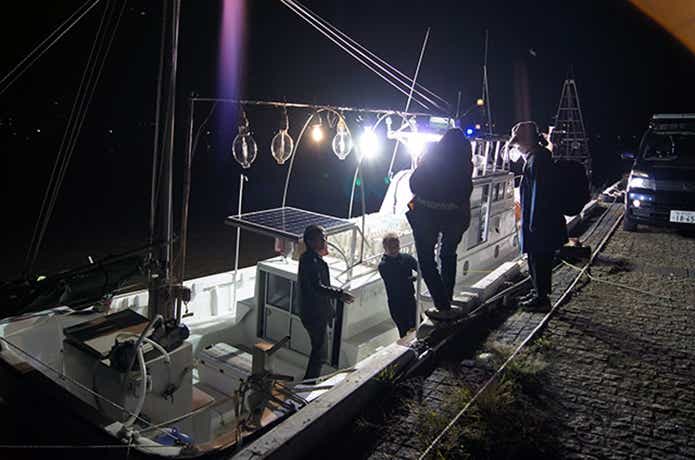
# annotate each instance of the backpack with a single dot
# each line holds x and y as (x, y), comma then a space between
(571, 178)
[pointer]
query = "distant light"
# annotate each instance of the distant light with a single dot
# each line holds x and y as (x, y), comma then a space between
(469, 132)
(636, 203)
(317, 133)
(369, 143)
(477, 126)
(38, 130)
(480, 102)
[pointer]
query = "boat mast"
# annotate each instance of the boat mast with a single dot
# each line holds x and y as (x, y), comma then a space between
(162, 301)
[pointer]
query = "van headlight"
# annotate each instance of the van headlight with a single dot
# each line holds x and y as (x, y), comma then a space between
(639, 179)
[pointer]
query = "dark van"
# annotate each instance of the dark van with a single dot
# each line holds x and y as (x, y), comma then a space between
(661, 186)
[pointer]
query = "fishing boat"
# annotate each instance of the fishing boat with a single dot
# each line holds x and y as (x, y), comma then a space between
(188, 368)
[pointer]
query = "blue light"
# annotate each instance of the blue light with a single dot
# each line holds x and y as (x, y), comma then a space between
(469, 132)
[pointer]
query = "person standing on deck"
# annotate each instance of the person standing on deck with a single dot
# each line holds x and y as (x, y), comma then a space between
(543, 227)
(316, 308)
(442, 185)
(396, 269)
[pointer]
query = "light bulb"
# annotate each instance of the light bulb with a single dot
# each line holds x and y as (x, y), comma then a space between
(415, 147)
(369, 143)
(480, 102)
(282, 146)
(317, 132)
(244, 147)
(342, 142)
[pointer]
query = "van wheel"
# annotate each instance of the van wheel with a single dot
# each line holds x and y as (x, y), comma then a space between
(629, 225)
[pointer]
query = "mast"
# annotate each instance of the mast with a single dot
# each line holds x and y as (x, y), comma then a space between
(162, 301)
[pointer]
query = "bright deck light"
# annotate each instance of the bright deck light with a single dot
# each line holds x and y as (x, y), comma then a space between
(369, 143)
(317, 133)
(480, 102)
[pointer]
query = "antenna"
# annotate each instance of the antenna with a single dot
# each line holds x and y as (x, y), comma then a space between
(486, 89)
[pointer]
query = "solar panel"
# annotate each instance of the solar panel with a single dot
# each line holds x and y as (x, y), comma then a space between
(287, 223)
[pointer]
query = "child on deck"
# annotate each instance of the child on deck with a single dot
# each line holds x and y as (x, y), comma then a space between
(396, 270)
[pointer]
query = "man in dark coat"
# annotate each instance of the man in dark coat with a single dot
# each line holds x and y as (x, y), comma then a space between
(442, 185)
(397, 270)
(316, 296)
(543, 227)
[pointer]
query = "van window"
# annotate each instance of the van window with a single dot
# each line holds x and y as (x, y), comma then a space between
(678, 147)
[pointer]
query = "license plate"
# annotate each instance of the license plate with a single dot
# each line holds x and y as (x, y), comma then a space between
(683, 217)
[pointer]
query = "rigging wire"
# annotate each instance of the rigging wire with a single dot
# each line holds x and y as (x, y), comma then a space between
(363, 50)
(383, 74)
(54, 37)
(60, 158)
(156, 163)
(410, 97)
(102, 46)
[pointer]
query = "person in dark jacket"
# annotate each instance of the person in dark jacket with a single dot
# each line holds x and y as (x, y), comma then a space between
(442, 185)
(543, 227)
(316, 296)
(396, 269)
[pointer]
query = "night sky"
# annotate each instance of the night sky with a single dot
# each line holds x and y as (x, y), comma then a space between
(625, 65)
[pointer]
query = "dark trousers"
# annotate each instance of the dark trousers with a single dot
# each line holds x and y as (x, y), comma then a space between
(540, 266)
(317, 335)
(427, 226)
(403, 314)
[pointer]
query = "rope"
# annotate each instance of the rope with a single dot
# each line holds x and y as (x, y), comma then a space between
(73, 131)
(612, 283)
(383, 74)
(60, 159)
(362, 49)
(156, 163)
(60, 31)
(540, 325)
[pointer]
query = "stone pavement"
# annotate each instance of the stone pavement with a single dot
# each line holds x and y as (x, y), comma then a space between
(621, 372)
(624, 366)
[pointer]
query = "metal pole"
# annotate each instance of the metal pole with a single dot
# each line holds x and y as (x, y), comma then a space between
(242, 179)
(188, 166)
(294, 153)
(163, 304)
(410, 96)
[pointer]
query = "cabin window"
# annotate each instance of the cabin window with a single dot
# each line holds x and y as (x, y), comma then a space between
(279, 292)
(281, 317)
(498, 192)
(510, 188)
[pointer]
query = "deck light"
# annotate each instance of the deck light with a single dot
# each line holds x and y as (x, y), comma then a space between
(282, 144)
(317, 130)
(636, 203)
(416, 146)
(369, 143)
(469, 132)
(342, 142)
(480, 102)
(244, 147)
(477, 126)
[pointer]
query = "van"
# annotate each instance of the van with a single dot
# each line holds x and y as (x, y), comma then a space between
(661, 186)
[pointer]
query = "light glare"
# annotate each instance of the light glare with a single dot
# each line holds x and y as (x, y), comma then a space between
(369, 143)
(317, 133)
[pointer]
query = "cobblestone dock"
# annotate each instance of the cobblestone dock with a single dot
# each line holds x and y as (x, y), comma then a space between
(624, 371)
(621, 374)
